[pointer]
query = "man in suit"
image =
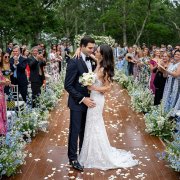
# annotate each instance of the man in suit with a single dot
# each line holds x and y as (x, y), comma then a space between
(79, 99)
(9, 48)
(18, 66)
(36, 64)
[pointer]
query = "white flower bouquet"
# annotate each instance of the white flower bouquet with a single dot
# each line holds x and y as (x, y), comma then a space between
(87, 79)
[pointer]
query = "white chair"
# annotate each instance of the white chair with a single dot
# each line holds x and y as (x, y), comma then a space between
(19, 104)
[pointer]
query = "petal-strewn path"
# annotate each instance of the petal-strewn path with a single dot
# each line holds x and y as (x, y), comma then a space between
(47, 157)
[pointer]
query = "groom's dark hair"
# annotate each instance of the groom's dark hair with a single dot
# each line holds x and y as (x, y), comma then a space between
(85, 40)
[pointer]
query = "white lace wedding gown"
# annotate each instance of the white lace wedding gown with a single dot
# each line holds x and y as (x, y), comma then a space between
(96, 151)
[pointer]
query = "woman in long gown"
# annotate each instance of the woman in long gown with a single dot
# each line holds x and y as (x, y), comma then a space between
(3, 119)
(172, 86)
(153, 67)
(96, 150)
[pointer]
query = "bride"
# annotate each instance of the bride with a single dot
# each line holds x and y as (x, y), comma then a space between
(96, 150)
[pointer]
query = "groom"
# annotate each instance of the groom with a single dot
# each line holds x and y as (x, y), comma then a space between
(79, 99)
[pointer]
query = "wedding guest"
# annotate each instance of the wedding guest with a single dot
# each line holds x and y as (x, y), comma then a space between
(18, 67)
(6, 70)
(9, 48)
(26, 54)
(59, 57)
(130, 59)
(153, 67)
(172, 86)
(54, 64)
(67, 53)
(36, 64)
(3, 118)
(160, 80)
(144, 67)
(116, 52)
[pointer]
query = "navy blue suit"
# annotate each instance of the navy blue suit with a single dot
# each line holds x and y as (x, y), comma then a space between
(21, 79)
(75, 69)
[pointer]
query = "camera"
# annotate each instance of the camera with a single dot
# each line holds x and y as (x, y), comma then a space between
(40, 51)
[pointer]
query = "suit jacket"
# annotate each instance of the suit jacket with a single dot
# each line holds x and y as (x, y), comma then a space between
(21, 67)
(9, 51)
(75, 69)
(35, 66)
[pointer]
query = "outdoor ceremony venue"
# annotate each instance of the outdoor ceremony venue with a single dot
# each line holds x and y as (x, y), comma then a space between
(90, 90)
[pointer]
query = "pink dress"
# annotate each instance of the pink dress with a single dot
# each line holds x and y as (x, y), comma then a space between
(152, 87)
(3, 118)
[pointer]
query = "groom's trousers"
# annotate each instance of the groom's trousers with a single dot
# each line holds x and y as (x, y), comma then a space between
(76, 130)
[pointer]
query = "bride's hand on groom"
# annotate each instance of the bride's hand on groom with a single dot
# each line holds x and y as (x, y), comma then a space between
(89, 102)
(77, 53)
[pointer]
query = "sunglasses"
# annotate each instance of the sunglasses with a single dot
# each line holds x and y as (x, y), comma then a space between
(6, 56)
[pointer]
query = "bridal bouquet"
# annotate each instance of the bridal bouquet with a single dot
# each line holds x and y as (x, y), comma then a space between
(87, 79)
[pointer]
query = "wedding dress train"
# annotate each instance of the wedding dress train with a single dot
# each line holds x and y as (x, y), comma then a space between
(96, 150)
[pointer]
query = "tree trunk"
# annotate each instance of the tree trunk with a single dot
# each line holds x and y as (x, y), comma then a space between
(144, 22)
(177, 27)
(142, 29)
(104, 28)
(124, 27)
(76, 26)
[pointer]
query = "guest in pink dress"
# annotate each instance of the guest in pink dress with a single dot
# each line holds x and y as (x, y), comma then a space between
(3, 119)
(153, 67)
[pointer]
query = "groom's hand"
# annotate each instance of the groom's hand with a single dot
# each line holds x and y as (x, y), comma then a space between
(89, 102)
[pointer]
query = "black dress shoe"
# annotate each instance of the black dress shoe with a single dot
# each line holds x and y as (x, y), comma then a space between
(75, 164)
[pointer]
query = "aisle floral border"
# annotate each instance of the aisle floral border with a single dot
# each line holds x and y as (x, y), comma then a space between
(157, 122)
(26, 125)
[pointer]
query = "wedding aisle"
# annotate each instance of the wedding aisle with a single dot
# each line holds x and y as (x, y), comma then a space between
(47, 157)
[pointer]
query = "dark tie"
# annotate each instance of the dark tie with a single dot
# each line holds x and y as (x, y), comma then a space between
(87, 58)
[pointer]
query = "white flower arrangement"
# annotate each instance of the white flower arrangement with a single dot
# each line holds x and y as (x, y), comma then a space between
(141, 99)
(87, 79)
(158, 123)
(122, 79)
(98, 39)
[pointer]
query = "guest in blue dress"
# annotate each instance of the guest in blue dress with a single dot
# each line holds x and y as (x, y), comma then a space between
(172, 86)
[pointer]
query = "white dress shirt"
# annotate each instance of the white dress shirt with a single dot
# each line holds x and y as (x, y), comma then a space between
(89, 66)
(88, 63)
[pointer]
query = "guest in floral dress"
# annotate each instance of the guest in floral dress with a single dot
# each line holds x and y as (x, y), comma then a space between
(3, 118)
(153, 68)
(172, 87)
(144, 68)
(54, 64)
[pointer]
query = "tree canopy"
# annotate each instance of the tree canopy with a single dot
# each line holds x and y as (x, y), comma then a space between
(127, 21)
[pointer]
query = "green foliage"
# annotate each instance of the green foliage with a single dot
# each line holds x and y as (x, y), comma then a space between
(27, 20)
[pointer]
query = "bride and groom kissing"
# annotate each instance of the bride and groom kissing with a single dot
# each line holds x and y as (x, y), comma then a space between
(87, 130)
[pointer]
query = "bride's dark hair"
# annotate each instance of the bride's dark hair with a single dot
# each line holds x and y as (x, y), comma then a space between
(107, 62)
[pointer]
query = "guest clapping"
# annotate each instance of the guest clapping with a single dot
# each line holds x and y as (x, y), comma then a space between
(18, 67)
(36, 64)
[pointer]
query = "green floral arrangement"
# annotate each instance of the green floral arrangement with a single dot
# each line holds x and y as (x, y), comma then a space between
(158, 123)
(173, 152)
(142, 99)
(12, 152)
(23, 127)
(123, 80)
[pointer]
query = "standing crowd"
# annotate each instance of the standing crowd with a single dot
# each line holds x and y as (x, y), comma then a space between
(29, 69)
(157, 68)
